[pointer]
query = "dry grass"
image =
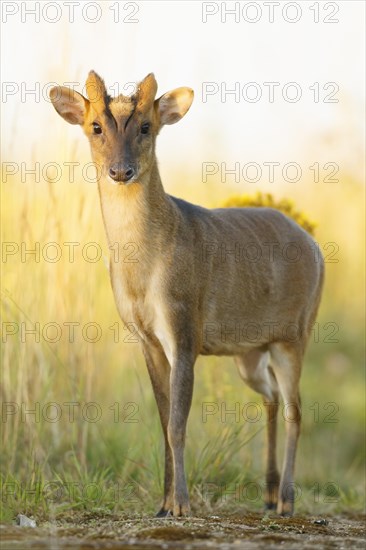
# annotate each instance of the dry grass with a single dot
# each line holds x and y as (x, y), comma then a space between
(105, 372)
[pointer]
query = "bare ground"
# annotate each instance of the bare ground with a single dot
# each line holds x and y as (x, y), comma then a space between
(84, 531)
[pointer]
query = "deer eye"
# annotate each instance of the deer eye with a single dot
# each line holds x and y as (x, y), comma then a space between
(145, 127)
(97, 128)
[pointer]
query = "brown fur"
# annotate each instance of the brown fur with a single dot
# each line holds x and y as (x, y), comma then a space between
(189, 294)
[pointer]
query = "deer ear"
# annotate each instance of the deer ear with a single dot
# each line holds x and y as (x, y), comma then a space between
(146, 91)
(173, 105)
(69, 104)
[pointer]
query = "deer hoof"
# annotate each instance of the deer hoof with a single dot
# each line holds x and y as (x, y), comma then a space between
(163, 513)
(285, 508)
(181, 510)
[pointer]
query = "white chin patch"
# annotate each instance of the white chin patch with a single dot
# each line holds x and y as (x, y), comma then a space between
(112, 181)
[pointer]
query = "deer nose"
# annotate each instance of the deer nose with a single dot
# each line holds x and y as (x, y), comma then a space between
(119, 172)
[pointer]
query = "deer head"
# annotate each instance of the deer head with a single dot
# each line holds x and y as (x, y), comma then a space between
(122, 130)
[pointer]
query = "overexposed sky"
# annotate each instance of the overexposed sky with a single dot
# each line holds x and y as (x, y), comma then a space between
(172, 40)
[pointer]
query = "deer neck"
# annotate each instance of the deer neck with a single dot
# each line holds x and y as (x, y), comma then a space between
(139, 213)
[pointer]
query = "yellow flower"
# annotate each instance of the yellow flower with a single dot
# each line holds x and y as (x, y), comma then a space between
(266, 199)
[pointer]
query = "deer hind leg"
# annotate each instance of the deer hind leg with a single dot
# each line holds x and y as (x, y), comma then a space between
(159, 371)
(272, 474)
(257, 373)
(287, 362)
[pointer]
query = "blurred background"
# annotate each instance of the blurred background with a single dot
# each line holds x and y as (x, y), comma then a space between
(297, 73)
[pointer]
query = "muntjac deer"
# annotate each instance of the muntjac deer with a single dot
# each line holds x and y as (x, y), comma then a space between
(189, 294)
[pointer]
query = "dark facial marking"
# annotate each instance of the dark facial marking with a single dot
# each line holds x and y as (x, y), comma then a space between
(134, 104)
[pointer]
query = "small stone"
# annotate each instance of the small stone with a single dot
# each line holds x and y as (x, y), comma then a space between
(320, 522)
(24, 521)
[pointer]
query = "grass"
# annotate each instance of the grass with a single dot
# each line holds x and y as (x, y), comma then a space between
(93, 440)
